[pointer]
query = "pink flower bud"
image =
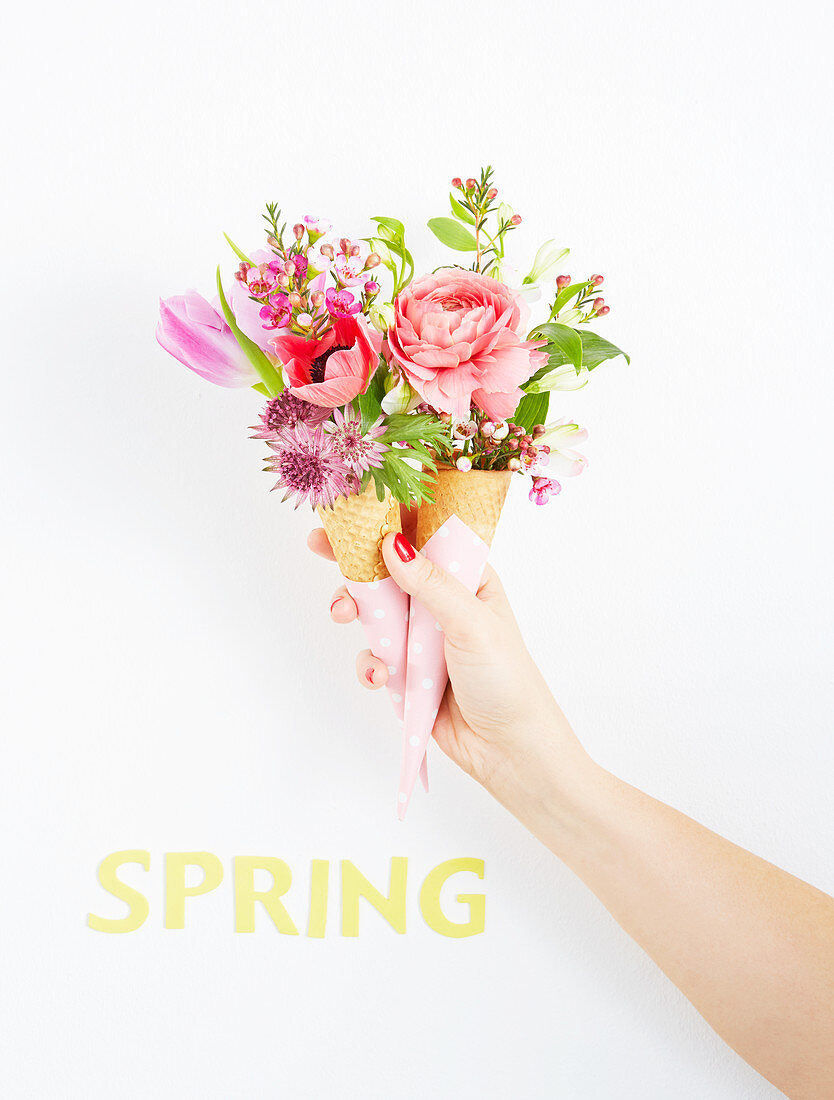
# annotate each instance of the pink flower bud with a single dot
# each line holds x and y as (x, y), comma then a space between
(515, 219)
(372, 287)
(327, 251)
(295, 299)
(492, 193)
(373, 260)
(597, 280)
(289, 268)
(284, 280)
(562, 281)
(344, 245)
(464, 464)
(487, 428)
(354, 250)
(603, 311)
(304, 320)
(538, 431)
(514, 465)
(512, 444)
(471, 184)
(318, 299)
(457, 182)
(598, 304)
(298, 231)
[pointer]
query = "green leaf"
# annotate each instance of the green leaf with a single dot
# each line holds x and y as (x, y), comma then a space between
(407, 484)
(596, 349)
(460, 211)
(565, 341)
(261, 388)
(452, 234)
(532, 410)
(240, 255)
(270, 377)
(393, 225)
(567, 293)
(370, 402)
(414, 427)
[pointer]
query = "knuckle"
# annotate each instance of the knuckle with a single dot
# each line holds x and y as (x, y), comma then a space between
(432, 576)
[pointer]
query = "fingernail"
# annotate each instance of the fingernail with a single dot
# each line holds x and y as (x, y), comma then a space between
(334, 604)
(405, 551)
(369, 675)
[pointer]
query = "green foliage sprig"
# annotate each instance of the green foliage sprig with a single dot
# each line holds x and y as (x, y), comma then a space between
(470, 230)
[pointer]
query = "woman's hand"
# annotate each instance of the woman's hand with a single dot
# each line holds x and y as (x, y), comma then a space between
(498, 712)
(751, 946)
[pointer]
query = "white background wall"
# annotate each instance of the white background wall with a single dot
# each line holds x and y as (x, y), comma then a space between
(172, 679)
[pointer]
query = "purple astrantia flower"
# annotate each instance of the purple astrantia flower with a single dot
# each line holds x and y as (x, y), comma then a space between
(287, 411)
(309, 468)
(357, 449)
(192, 330)
(543, 489)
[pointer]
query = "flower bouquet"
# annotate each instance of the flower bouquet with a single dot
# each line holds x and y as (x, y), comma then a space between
(385, 390)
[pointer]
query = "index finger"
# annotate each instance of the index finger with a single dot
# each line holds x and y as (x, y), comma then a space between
(319, 543)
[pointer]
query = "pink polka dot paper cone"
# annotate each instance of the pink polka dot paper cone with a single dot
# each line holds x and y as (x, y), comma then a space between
(461, 552)
(383, 612)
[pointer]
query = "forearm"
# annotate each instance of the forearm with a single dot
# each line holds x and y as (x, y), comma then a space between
(751, 946)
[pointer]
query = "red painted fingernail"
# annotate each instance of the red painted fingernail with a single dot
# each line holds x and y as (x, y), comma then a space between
(405, 551)
(369, 675)
(334, 604)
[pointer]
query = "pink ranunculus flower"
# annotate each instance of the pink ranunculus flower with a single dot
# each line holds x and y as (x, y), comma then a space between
(457, 336)
(193, 331)
(335, 369)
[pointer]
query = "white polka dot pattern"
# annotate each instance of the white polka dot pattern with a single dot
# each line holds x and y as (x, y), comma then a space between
(383, 612)
(456, 548)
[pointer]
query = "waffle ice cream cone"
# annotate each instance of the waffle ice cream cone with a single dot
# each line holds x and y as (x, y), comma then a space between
(356, 526)
(476, 497)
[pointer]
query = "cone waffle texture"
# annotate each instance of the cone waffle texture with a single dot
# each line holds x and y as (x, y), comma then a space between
(356, 526)
(476, 497)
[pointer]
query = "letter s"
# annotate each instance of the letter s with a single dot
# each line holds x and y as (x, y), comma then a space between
(137, 903)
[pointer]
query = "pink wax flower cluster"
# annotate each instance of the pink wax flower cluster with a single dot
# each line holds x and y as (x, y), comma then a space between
(373, 372)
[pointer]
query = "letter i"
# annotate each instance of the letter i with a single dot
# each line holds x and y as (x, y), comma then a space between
(319, 878)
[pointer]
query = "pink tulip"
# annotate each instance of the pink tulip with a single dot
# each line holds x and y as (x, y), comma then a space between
(192, 330)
